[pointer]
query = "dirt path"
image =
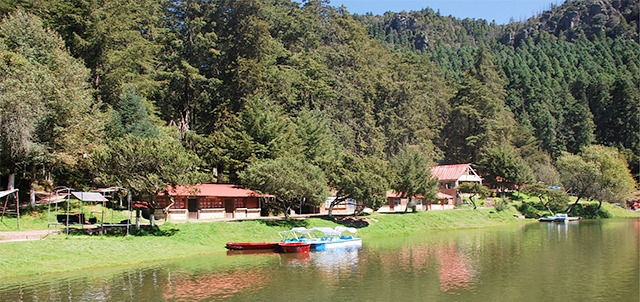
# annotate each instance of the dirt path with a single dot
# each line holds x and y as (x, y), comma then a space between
(26, 235)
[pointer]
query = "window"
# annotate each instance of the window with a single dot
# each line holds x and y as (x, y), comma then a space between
(240, 203)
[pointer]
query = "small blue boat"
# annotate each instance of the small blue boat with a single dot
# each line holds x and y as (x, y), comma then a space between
(323, 238)
(558, 218)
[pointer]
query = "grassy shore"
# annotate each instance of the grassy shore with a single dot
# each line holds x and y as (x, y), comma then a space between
(74, 252)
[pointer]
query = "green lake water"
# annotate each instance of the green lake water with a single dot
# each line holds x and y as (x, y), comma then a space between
(589, 260)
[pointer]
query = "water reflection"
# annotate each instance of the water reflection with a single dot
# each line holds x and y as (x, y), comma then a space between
(186, 287)
(335, 261)
(295, 259)
(455, 268)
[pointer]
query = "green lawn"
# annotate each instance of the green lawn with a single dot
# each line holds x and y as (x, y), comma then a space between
(174, 240)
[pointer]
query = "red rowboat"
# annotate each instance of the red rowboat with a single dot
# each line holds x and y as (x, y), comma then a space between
(294, 247)
(252, 245)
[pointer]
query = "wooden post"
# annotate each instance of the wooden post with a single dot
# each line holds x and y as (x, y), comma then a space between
(18, 208)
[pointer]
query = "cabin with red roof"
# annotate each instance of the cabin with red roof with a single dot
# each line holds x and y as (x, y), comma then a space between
(212, 201)
(450, 176)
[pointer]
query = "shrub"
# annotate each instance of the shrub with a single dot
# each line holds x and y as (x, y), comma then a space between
(501, 205)
(529, 209)
(589, 211)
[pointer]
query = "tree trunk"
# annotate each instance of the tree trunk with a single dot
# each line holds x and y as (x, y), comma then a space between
(574, 204)
(137, 219)
(11, 182)
(546, 205)
(334, 203)
(32, 187)
(473, 202)
(166, 209)
(599, 206)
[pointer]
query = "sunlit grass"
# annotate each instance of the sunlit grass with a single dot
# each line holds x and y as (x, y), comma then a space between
(170, 241)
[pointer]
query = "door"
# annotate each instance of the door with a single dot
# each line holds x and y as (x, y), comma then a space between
(192, 206)
(229, 208)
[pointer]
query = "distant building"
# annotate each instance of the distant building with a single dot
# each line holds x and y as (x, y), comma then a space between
(212, 201)
(451, 176)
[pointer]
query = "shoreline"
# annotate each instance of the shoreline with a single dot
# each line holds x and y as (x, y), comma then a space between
(62, 253)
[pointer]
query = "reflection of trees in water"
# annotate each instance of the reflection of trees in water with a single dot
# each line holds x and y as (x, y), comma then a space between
(215, 285)
(409, 259)
(455, 268)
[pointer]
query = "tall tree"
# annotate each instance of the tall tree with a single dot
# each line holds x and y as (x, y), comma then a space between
(412, 176)
(116, 39)
(503, 168)
(190, 66)
(292, 181)
(131, 116)
(261, 131)
(597, 172)
(49, 118)
(146, 166)
(359, 179)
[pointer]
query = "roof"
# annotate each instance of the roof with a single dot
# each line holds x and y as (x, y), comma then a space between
(89, 196)
(454, 172)
(441, 195)
(217, 190)
(399, 195)
(7, 192)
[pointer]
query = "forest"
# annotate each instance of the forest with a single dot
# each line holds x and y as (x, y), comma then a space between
(301, 98)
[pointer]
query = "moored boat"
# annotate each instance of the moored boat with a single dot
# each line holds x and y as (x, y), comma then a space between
(251, 245)
(322, 238)
(294, 247)
(558, 218)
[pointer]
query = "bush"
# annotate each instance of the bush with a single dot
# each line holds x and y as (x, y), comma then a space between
(531, 209)
(501, 205)
(589, 211)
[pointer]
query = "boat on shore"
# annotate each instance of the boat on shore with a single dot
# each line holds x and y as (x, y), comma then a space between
(558, 218)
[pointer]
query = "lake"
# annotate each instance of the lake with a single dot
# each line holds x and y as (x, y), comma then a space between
(589, 260)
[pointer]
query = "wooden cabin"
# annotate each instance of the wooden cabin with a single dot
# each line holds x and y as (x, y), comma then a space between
(451, 176)
(212, 201)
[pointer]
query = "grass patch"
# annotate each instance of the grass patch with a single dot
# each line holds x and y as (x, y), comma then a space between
(169, 241)
(40, 217)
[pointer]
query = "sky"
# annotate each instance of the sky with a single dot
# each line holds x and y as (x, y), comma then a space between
(500, 11)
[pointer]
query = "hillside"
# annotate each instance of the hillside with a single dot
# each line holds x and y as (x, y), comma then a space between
(154, 92)
(568, 73)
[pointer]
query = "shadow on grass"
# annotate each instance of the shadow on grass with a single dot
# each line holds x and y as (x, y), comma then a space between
(349, 221)
(122, 231)
(287, 223)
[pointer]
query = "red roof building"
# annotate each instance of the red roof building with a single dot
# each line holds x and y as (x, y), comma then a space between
(450, 176)
(212, 201)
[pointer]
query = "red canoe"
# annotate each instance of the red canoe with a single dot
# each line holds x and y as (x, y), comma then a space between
(294, 247)
(252, 245)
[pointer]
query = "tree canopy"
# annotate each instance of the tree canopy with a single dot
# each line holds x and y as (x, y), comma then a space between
(249, 82)
(292, 181)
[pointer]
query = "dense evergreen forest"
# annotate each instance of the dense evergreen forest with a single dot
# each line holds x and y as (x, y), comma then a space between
(146, 93)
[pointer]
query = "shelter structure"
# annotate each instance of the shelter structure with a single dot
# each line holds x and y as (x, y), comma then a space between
(68, 218)
(451, 176)
(443, 202)
(211, 201)
(396, 203)
(6, 195)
